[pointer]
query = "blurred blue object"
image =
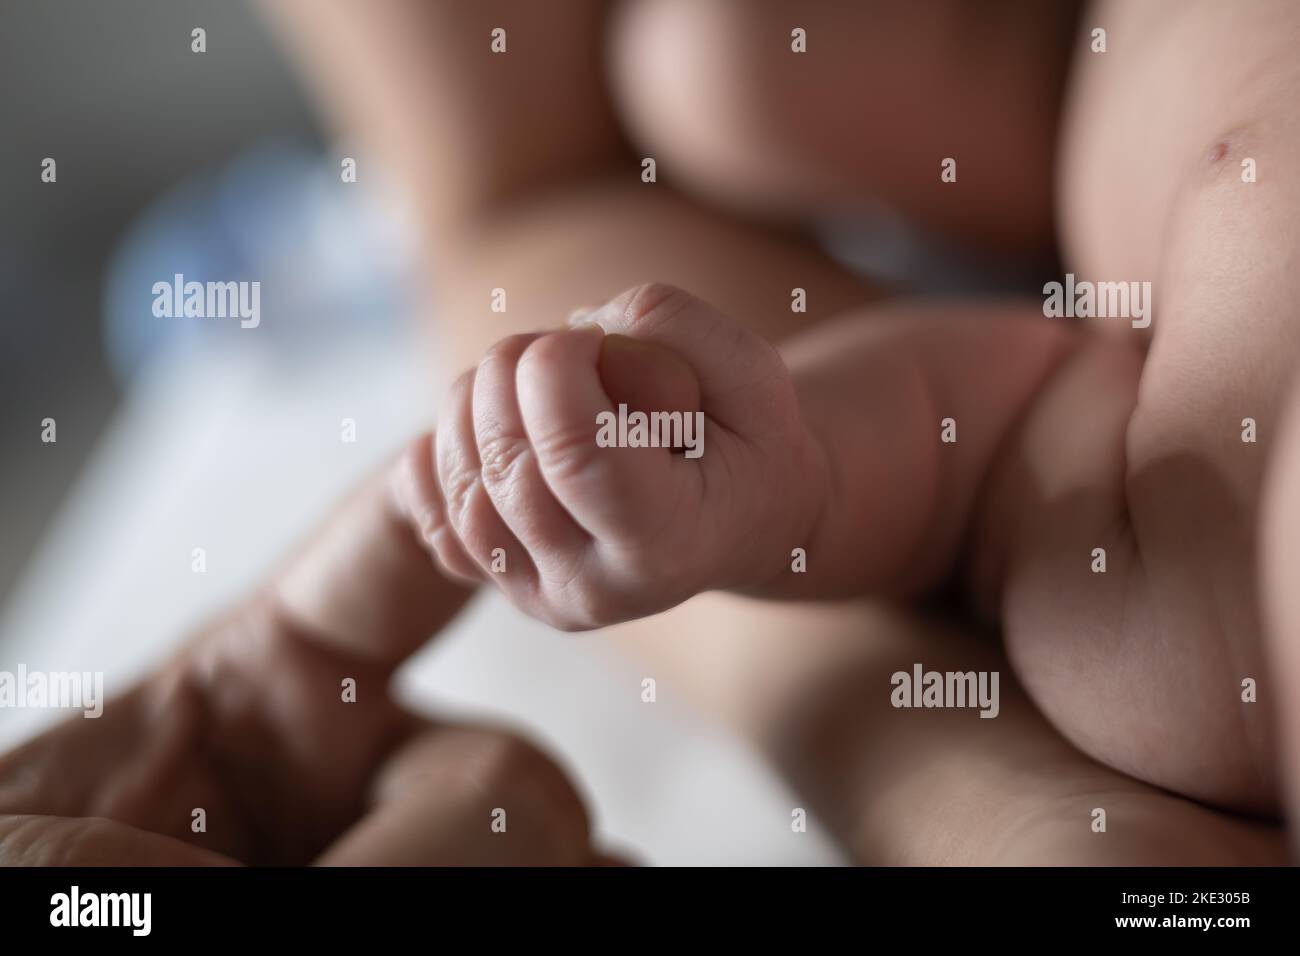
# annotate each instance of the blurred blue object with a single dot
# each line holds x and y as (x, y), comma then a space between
(330, 260)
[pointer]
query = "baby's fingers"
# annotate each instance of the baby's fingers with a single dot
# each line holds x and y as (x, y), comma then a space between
(420, 493)
(618, 494)
(473, 517)
(511, 474)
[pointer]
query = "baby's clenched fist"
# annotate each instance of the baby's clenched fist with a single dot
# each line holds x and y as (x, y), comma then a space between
(614, 469)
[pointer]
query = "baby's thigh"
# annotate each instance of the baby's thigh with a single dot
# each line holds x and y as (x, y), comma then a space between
(814, 686)
(884, 92)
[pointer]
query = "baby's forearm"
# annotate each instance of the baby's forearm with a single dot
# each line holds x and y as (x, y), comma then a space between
(909, 405)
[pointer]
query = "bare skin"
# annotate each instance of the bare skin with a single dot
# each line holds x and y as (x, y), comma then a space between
(843, 426)
(572, 226)
(248, 723)
(1280, 532)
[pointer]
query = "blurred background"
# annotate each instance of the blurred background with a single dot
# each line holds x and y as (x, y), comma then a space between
(113, 93)
(177, 435)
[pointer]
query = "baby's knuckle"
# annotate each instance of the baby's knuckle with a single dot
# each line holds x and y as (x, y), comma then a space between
(567, 452)
(462, 385)
(458, 487)
(652, 303)
(586, 606)
(500, 456)
(543, 359)
(557, 569)
(508, 349)
(510, 345)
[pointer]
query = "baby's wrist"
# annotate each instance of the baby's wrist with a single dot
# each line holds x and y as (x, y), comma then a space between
(797, 516)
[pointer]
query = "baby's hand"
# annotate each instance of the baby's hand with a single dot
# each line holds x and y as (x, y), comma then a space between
(550, 477)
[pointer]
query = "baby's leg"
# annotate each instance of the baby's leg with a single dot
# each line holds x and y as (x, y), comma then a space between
(1180, 171)
(579, 247)
(811, 684)
(885, 92)
(884, 777)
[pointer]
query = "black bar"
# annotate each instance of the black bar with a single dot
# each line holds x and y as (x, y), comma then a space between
(440, 907)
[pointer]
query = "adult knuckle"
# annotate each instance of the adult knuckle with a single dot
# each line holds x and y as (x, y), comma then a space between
(507, 768)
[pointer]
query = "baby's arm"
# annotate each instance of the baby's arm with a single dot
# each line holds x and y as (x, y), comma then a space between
(910, 404)
(1132, 634)
(838, 450)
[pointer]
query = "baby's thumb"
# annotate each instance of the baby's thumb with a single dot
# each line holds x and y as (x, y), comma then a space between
(686, 351)
(647, 377)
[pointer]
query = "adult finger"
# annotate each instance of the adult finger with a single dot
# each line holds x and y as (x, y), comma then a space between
(456, 795)
(367, 584)
(36, 840)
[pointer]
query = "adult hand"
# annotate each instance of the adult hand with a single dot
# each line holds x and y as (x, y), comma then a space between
(249, 724)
